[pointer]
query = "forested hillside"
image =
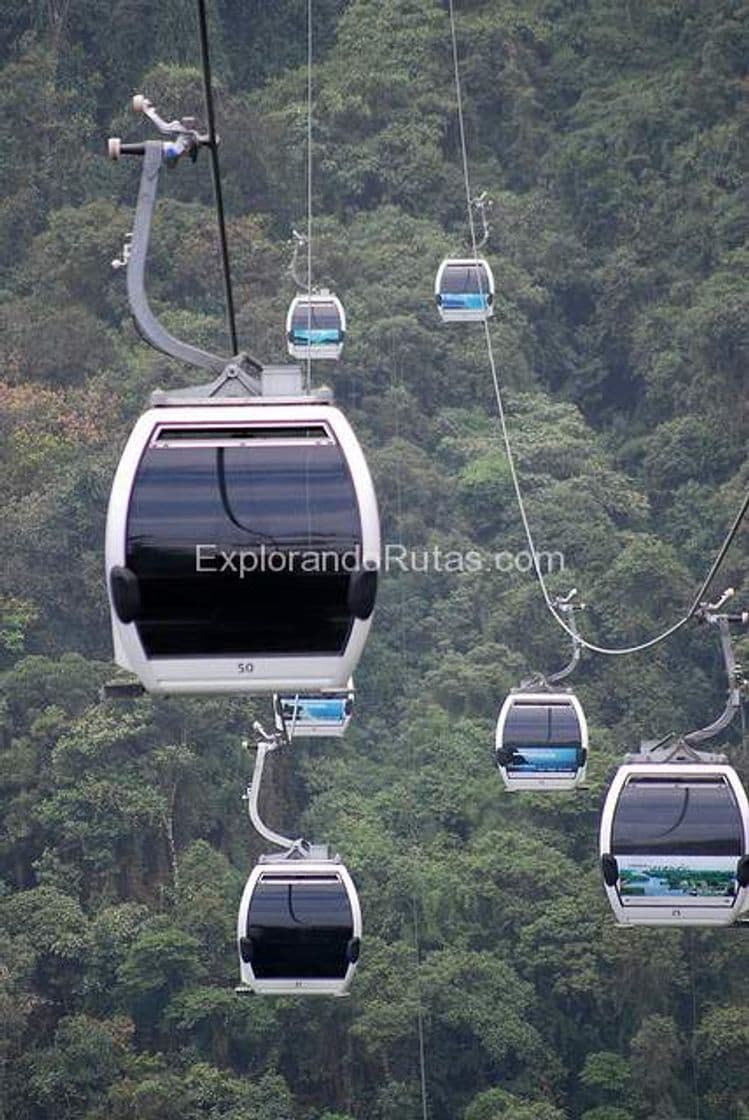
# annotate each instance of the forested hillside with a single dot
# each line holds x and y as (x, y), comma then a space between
(612, 137)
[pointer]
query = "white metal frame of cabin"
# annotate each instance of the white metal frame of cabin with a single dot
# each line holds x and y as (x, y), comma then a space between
(542, 782)
(298, 868)
(329, 351)
(668, 911)
(465, 314)
(232, 673)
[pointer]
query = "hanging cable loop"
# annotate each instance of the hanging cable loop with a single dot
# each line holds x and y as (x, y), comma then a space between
(609, 651)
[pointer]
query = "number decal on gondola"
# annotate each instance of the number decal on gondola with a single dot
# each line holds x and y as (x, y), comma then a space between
(245, 667)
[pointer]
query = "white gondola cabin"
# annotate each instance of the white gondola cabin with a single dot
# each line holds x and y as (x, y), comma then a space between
(299, 928)
(314, 715)
(242, 549)
(541, 741)
(316, 326)
(673, 844)
(464, 290)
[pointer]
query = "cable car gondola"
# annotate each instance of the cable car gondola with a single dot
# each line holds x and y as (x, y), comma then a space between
(299, 928)
(316, 326)
(541, 741)
(673, 844)
(242, 548)
(314, 715)
(464, 290)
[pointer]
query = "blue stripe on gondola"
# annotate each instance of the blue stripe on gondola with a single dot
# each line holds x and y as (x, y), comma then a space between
(467, 301)
(315, 336)
(317, 711)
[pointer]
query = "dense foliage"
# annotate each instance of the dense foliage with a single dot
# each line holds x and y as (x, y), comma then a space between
(611, 137)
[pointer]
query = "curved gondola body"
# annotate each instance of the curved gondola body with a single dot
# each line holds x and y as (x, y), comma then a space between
(316, 326)
(314, 715)
(242, 548)
(673, 844)
(299, 928)
(541, 741)
(464, 290)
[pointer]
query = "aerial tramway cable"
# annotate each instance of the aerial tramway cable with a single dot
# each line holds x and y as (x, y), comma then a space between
(216, 172)
(309, 188)
(548, 599)
(403, 643)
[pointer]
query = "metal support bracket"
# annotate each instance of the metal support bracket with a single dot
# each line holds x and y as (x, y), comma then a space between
(123, 259)
(121, 690)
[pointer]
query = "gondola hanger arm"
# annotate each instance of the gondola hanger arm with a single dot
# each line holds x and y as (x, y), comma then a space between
(182, 138)
(481, 204)
(566, 606)
(737, 682)
(265, 744)
(298, 240)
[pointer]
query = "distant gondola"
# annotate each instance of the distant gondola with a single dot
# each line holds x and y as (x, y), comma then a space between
(242, 546)
(541, 741)
(299, 928)
(314, 715)
(316, 326)
(674, 842)
(464, 290)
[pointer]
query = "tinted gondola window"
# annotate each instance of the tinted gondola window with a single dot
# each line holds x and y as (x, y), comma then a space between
(299, 929)
(316, 317)
(527, 725)
(564, 727)
(458, 279)
(279, 529)
(541, 725)
(672, 818)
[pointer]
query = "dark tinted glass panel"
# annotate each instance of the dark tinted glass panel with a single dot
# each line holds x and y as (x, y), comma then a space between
(564, 727)
(317, 317)
(464, 278)
(679, 817)
(278, 524)
(527, 724)
(542, 724)
(299, 930)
